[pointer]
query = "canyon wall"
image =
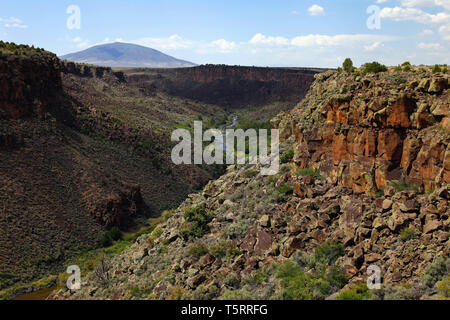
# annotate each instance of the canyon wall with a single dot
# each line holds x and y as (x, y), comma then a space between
(228, 86)
(28, 82)
(366, 131)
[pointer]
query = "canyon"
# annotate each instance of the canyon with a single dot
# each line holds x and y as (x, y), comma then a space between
(86, 148)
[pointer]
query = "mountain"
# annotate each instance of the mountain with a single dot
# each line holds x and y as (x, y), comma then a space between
(126, 55)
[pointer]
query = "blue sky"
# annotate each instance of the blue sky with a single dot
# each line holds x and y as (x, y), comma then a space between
(318, 33)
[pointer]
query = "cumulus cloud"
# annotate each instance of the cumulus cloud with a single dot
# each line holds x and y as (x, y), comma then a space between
(316, 10)
(319, 40)
(223, 45)
(426, 3)
(414, 14)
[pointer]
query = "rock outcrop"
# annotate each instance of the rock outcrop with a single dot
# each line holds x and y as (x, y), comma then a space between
(365, 131)
(29, 83)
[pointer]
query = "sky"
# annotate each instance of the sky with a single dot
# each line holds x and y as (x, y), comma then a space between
(307, 33)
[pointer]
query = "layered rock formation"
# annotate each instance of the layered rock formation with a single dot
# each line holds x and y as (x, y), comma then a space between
(364, 131)
(228, 86)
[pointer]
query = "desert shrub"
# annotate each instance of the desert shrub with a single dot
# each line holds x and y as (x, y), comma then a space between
(398, 292)
(329, 252)
(232, 281)
(250, 173)
(198, 250)
(444, 287)
(258, 278)
(196, 224)
(435, 271)
(436, 69)
(407, 234)
(135, 292)
(224, 249)
(309, 172)
(285, 189)
(176, 293)
(115, 233)
(348, 65)
(373, 67)
(360, 292)
(402, 185)
(236, 230)
(318, 283)
(287, 156)
(105, 240)
(238, 194)
(406, 66)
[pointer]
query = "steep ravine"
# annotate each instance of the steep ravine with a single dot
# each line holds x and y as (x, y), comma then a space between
(365, 182)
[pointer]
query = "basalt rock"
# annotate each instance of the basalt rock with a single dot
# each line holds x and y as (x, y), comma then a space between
(373, 135)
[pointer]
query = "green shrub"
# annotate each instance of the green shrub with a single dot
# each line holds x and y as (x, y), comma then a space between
(329, 252)
(232, 281)
(360, 292)
(198, 250)
(236, 230)
(110, 236)
(285, 189)
(407, 234)
(444, 287)
(106, 240)
(402, 185)
(250, 173)
(196, 224)
(309, 172)
(115, 233)
(436, 69)
(373, 67)
(435, 271)
(348, 65)
(287, 156)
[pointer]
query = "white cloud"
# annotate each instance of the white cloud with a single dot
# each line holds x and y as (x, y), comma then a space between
(445, 32)
(223, 45)
(260, 39)
(426, 3)
(173, 42)
(316, 10)
(414, 14)
(429, 46)
(426, 32)
(318, 40)
(382, 1)
(13, 23)
(373, 46)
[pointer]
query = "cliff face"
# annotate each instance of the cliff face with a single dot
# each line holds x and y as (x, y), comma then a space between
(228, 86)
(29, 83)
(365, 131)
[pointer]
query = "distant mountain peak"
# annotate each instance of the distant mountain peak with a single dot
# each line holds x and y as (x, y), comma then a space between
(126, 55)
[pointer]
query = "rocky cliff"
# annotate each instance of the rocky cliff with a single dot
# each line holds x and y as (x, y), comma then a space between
(30, 80)
(365, 131)
(338, 207)
(228, 86)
